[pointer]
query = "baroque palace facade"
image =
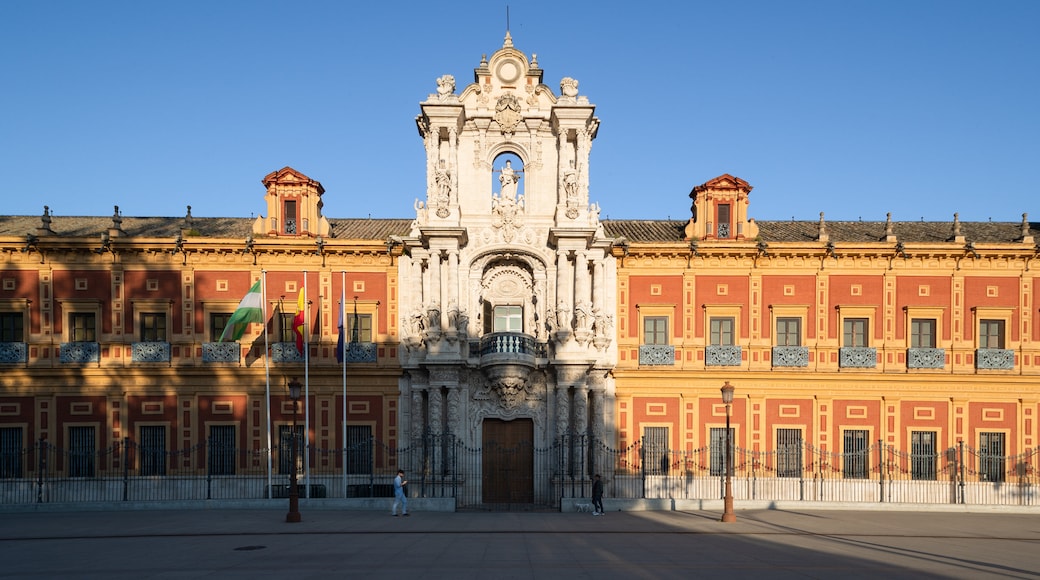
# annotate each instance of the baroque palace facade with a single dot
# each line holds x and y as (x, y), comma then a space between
(506, 310)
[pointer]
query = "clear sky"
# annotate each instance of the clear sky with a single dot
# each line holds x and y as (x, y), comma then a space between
(855, 108)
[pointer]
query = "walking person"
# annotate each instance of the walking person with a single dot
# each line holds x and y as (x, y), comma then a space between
(597, 496)
(399, 494)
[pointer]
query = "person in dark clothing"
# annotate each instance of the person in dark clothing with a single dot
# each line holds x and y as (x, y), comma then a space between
(597, 496)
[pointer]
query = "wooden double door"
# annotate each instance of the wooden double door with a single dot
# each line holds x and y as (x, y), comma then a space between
(507, 457)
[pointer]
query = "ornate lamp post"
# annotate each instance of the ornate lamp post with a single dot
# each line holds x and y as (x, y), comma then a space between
(727, 513)
(294, 491)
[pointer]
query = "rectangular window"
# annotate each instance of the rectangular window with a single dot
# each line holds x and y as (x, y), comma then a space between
(856, 456)
(153, 327)
(991, 334)
(12, 327)
(655, 330)
(788, 332)
(222, 450)
(360, 327)
(285, 329)
(289, 217)
(788, 452)
(922, 455)
(724, 220)
(856, 332)
(722, 331)
(153, 450)
(359, 449)
(991, 457)
(82, 451)
(11, 452)
(82, 327)
(509, 319)
(922, 333)
(718, 450)
(218, 321)
(285, 449)
(655, 450)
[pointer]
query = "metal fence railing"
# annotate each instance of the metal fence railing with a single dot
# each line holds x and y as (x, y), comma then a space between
(494, 477)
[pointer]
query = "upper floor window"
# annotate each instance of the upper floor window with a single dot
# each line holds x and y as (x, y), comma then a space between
(153, 327)
(722, 331)
(724, 220)
(508, 319)
(991, 334)
(289, 217)
(285, 327)
(12, 327)
(855, 332)
(788, 332)
(82, 327)
(922, 333)
(217, 322)
(360, 327)
(655, 330)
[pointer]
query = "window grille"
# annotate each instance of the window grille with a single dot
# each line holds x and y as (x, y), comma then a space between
(153, 450)
(655, 449)
(788, 452)
(82, 451)
(856, 458)
(222, 450)
(922, 455)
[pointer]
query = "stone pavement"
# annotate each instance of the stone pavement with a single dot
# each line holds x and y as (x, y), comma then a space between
(252, 543)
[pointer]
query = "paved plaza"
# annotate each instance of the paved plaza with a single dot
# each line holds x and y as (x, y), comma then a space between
(331, 543)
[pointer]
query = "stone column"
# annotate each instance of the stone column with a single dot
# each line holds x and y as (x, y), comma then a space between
(564, 295)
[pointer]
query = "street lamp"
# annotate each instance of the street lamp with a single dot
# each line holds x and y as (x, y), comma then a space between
(294, 491)
(727, 513)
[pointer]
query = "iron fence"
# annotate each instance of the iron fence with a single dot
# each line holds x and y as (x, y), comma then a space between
(519, 476)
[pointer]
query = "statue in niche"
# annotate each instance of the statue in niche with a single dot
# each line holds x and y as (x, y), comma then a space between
(462, 323)
(508, 179)
(563, 318)
(416, 321)
(507, 207)
(582, 315)
(570, 183)
(433, 319)
(443, 178)
(550, 321)
(453, 314)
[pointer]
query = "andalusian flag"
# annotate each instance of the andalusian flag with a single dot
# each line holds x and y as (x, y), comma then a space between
(298, 321)
(251, 309)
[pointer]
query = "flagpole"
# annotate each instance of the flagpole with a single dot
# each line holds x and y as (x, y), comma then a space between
(267, 377)
(343, 363)
(307, 391)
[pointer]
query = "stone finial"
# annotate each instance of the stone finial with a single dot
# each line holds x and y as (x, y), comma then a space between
(890, 235)
(117, 223)
(957, 236)
(1027, 236)
(822, 234)
(45, 223)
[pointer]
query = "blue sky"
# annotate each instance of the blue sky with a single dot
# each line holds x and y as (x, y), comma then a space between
(855, 108)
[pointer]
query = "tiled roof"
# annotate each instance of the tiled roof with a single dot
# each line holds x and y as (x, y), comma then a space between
(647, 231)
(169, 227)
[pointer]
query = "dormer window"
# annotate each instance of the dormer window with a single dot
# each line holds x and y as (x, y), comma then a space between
(289, 217)
(724, 221)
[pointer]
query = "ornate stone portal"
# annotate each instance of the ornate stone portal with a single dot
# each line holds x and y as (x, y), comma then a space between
(504, 285)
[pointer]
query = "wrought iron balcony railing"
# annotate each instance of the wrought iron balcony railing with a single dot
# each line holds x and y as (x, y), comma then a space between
(925, 358)
(857, 357)
(994, 358)
(656, 355)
